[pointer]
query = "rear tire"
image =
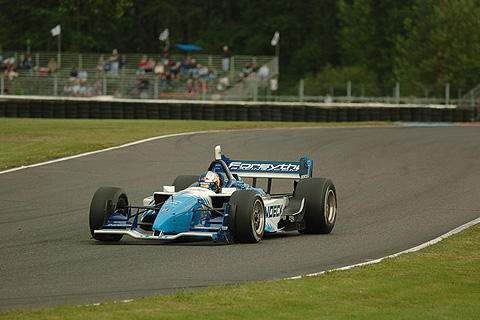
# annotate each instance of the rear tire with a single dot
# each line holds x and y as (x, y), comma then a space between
(184, 181)
(246, 219)
(321, 204)
(98, 217)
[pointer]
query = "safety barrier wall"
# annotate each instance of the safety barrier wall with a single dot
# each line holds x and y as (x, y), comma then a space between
(230, 111)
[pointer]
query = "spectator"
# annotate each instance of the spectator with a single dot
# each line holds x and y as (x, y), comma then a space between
(225, 59)
(115, 61)
(67, 90)
(184, 67)
(246, 71)
(328, 98)
(202, 71)
(52, 66)
(29, 64)
(89, 91)
(22, 62)
(159, 69)
(97, 88)
(73, 75)
(263, 71)
(167, 80)
(189, 86)
(212, 73)
(255, 68)
(150, 65)
(83, 74)
(82, 90)
(100, 68)
(224, 83)
(107, 66)
(76, 88)
(142, 66)
(165, 55)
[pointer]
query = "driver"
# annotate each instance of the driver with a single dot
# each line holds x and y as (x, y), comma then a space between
(210, 180)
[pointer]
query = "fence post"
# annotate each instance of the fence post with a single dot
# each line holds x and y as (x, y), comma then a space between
(397, 93)
(105, 85)
(155, 89)
(2, 90)
(447, 94)
(255, 90)
(349, 91)
(55, 85)
(300, 91)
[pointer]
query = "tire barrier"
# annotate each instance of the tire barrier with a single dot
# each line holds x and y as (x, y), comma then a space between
(231, 111)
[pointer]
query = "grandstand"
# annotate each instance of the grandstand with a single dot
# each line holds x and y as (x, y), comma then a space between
(38, 83)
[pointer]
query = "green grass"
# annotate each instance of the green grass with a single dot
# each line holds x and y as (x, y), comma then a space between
(439, 282)
(27, 141)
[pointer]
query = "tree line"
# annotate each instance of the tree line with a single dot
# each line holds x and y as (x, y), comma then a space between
(421, 42)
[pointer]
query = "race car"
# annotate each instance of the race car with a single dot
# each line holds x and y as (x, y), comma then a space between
(220, 205)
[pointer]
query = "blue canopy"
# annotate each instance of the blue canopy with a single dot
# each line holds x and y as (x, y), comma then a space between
(188, 47)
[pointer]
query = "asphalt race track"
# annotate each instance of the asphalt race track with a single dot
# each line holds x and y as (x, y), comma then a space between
(397, 187)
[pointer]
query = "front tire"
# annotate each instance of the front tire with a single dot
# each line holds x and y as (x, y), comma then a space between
(321, 204)
(246, 219)
(98, 216)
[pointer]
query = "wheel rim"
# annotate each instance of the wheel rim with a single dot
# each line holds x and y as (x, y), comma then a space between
(258, 219)
(330, 206)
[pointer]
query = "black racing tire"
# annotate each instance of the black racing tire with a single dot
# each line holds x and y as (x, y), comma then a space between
(184, 181)
(246, 219)
(320, 204)
(97, 210)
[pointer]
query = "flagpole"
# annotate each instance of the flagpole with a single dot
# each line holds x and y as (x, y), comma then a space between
(59, 50)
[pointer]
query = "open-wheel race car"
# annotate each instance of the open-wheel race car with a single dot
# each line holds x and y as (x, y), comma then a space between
(220, 205)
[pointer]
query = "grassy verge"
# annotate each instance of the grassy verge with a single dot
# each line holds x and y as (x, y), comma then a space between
(27, 141)
(439, 282)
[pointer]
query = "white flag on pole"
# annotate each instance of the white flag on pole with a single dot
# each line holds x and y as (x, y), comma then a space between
(164, 35)
(275, 39)
(56, 31)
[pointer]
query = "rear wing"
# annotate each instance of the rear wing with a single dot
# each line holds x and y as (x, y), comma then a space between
(270, 169)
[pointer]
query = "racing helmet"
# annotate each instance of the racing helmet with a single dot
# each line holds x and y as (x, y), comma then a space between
(210, 180)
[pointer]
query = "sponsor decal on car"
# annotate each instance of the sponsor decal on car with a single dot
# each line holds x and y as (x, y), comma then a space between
(264, 167)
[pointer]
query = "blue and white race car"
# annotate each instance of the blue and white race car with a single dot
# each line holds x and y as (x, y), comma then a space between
(220, 205)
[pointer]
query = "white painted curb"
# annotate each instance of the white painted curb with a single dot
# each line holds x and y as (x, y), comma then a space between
(417, 248)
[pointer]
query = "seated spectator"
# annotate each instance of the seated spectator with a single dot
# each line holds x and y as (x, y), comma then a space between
(52, 66)
(159, 69)
(100, 68)
(255, 68)
(73, 75)
(107, 66)
(202, 71)
(184, 67)
(67, 90)
(212, 73)
(224, 83)
(246, 71)
(150, 65)
(12, 72)
(76, 88)
(82, 90)
(142, 66)
(22, 62)
(189, 86)
(97, 88)
(89, 91)
(83, 74)
(29, 64)
(263, 71)
(167, 80)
